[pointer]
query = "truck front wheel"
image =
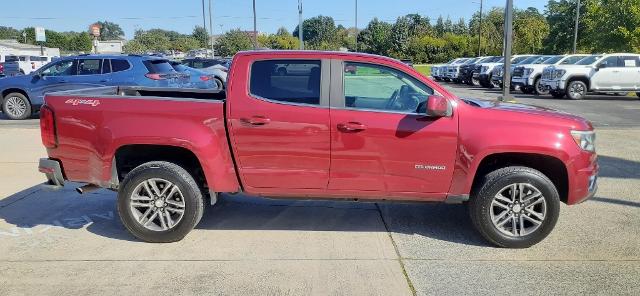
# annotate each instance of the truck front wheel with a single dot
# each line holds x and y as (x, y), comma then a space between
(576, 90)
(515, 207)
(159, 202)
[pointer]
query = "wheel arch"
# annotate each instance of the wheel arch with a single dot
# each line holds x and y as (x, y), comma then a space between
(551, 166)
(582, 78)
(10, 90)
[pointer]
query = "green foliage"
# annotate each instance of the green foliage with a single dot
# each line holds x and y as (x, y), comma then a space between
(320, 32)
(232, 42)
(612, 25)
(376, 37)
(9, 33)
(110, 31)
(281, 40)
(201, 34)
(561, 17)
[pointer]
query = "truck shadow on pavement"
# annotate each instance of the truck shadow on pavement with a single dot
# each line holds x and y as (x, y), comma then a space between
(40, 211)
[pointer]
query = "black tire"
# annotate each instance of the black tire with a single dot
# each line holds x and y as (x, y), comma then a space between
(219, 83)
(573, 90)
(526, 90)
(492, 184)
(638, 94)
(470, 80)
(191, 195)
(9, 107)
(537, 87)
(557, 94)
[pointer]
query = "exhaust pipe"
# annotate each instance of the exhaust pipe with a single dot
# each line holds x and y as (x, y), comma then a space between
(87, 188)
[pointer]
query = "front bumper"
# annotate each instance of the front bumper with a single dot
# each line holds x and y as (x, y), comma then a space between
(553, 85)
(53, 170)
(520, 81)
(583, 182)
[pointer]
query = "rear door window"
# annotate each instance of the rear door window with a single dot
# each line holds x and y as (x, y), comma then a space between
(629, 61)
(89, 66)
(291, 81)
(106, 66)
(118, 65)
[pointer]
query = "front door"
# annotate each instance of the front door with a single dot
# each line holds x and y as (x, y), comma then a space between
(607, 75)
(280, 127)
(378, 141)
(55, 77)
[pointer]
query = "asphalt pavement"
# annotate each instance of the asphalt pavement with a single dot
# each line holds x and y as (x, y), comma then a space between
(55, 241)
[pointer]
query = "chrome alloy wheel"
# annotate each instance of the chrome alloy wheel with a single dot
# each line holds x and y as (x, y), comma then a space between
(157, 204)
(518, 209)
(15, 106)
(577, 90)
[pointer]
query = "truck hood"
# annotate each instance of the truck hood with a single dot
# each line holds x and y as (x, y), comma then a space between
(530, 110)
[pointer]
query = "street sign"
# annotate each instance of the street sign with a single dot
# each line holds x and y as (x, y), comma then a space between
(95, 30)
(40, 34)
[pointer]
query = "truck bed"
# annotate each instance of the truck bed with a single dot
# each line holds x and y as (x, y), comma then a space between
(92, 125)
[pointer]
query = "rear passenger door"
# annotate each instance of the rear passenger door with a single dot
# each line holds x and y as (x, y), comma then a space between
(630, 72)
(279, 126)
(90, 74)
(121, 72)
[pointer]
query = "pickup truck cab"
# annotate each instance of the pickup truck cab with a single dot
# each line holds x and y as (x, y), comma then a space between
(498, 73)
(385, 132)
(528, 77)
(619, 72)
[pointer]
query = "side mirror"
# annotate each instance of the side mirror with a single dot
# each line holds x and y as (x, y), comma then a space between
(435, 106)
(601, 66)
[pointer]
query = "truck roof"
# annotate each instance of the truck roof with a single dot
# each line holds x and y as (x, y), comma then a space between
(311, 54)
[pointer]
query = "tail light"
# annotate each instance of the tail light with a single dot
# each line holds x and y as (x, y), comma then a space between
(205, 78)
(1, 68)
(154, 76)
(48, 127)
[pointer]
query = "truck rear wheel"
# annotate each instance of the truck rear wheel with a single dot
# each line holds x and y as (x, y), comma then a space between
(159, 202)
(515, 207)
(16, 106)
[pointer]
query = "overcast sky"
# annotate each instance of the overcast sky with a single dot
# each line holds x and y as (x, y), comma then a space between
(183, 15)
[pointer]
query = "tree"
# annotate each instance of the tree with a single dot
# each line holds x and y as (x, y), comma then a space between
(376, 37)
(232, 42)
(531, 29)
(135, 46)
(9, 33)
(460, 27)
(110, 31)
(185, 43)
(153, 40)
(439, 27)
(612, 25)
(201, 34)
(320, 32)
(561, 19)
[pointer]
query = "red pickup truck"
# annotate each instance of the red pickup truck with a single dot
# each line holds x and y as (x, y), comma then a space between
(377, 131)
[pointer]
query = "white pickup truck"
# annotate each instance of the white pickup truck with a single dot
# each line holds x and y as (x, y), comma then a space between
(23, 64)
(617, 72)
(528, 77)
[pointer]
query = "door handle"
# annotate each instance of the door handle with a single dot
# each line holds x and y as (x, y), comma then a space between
(256, 120)
(351, 127)
(104, 80)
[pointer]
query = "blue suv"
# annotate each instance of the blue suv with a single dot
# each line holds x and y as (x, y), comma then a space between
(21, 96)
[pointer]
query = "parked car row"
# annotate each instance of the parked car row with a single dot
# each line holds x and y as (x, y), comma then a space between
(573, 76)
(22, 95)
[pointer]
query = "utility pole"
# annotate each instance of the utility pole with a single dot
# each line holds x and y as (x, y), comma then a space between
(356, 25)
(213, 52)
(300, 25)
(575, 35)
(508, 31)
(480, 31)
(204, 18)
(255, 27)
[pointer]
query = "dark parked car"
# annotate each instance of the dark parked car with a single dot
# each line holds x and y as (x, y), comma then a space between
(21, 96)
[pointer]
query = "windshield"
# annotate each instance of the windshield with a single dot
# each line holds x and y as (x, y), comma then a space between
(572, 60)
(552, 60)
(10, 58)
(470, 61)
(528, 60)
(588, 60)
(540, 60)
(519, 59)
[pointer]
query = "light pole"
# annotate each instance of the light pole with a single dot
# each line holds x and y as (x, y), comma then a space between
(204, 18)
(213, 52)
(356, 33)
(508, 38)
(575, 34)
(255, 25)
(479, 28)
(300, 25)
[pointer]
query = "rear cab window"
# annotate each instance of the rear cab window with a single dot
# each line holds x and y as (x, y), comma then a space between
(289, 81)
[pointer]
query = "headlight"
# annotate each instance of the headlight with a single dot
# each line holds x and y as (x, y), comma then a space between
(527, 71)
(586, 140)
(559, 73)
